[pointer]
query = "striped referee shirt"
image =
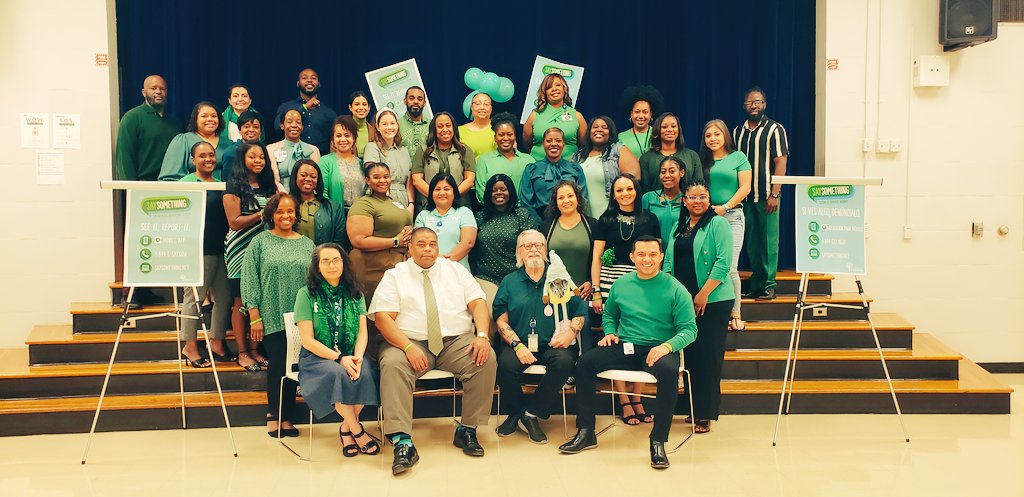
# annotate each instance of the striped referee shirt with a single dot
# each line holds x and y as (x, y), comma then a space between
(761, 145)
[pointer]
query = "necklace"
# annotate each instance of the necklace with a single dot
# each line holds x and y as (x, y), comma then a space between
(626, 219)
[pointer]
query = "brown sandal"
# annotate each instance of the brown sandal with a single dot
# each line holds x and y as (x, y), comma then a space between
(702, 426)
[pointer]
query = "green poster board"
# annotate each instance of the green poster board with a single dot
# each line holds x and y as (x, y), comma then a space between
(163, 243)
(830, 228)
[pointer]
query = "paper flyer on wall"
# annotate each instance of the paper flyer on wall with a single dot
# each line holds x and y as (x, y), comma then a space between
(543, 66)
(388, 85)
(35, 130)
(67, 131)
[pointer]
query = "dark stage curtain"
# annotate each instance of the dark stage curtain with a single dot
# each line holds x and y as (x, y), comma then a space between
(701, 55)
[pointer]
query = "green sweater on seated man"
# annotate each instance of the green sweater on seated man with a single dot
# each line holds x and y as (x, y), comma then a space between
(650, 312)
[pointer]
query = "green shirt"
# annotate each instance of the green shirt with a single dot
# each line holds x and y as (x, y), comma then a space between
(388, 217)
(638, 143)
(522, 299)
(650, 312)
(593, 170)
(343, 182)
(362, 137)
(574, 247)
(492, 163)
(274, 270)
(563, 118)
(304, 311)
(480, 141)
(650, 168)
(414, 133)
(142, 139)
(667, 212)
(192, 178)
(724, 177)
(177, 160)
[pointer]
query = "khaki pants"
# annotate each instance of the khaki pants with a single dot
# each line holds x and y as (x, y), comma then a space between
(398, 379)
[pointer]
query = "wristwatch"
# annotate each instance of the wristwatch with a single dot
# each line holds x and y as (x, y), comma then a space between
(338, 360)
(481, 334)
(775, 195)
(395, 241)
(514, 344)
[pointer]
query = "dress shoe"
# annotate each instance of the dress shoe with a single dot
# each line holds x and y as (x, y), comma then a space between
(531, 424)
(405, 458)
(465, 439)
(131, 305)
(659, 459)
(747, 295)
(584, 439)
(509, 426)
(768, 294)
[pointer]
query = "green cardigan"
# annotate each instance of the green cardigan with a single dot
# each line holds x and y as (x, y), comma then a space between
(712, 253)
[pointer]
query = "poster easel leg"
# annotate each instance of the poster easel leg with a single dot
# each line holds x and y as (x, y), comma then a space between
(797, 322)
(881, 357)
(213, 366)
(181, 375)
(110, 367)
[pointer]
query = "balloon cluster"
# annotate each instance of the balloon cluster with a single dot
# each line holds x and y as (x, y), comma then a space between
(499, 88)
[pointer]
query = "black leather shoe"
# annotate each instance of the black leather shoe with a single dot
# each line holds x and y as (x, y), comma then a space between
(584, 439)
(405, 458)
(531, 424)
(747, 295)
(465, 439)
(509, 426)
(659, 459)
(768, 294)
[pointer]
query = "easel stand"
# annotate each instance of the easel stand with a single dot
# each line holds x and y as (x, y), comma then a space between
(789, 376)
(125, 320)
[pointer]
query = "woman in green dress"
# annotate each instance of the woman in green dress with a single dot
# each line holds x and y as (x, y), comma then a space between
(274, 270)
(553, 109)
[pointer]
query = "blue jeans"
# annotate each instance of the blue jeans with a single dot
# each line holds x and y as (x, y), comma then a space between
(736, 224)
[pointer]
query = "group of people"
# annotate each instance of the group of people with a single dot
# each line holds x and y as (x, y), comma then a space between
(404, 244)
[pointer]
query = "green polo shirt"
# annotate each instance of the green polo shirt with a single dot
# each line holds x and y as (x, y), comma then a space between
(414, 134)
(142, 139)
(521, 298)
(490, 163)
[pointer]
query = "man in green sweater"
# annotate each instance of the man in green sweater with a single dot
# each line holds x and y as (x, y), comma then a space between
(648, 318)
(144, 133)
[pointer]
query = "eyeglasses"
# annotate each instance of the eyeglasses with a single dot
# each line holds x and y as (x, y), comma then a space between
(750, 103)
(534, 245)
(697, 198)
(331, 262)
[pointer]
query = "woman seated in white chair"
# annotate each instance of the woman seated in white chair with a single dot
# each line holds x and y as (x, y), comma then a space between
(333, 371)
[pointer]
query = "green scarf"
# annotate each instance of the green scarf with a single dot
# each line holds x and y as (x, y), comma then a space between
(335, 318)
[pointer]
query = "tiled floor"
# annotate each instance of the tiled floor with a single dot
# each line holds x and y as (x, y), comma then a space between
(817, 455)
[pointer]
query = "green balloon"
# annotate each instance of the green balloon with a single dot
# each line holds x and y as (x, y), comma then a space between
(472, 77)
(505, 90)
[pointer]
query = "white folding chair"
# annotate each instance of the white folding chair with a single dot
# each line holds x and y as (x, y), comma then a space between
(642, 377)
(291, 372)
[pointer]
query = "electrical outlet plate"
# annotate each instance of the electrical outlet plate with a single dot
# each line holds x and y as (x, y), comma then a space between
(868, 145)
(908, 232)
(820, 312)
(895, 147)
(883, 146)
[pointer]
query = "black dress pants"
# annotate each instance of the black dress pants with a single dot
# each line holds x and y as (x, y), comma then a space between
(276, 345)
(598, 359)
(559, 364)
(704, 358)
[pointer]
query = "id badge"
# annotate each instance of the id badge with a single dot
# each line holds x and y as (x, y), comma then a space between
(627, 348)
(532, 343)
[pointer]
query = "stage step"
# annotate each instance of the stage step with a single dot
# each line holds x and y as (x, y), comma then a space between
(782, 308)
(929, 359)
(161, 295)
(787, 282)
(58, 344)
(894, 332)
(19, 381)
(975, 392)
(92, 317)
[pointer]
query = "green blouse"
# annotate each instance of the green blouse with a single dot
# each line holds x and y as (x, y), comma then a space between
(273, 272)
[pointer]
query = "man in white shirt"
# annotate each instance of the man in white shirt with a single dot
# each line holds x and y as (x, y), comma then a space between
(432, 314)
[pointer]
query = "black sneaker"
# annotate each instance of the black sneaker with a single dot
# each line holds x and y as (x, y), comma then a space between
(768, 294)
(531, 425)
(509, 426)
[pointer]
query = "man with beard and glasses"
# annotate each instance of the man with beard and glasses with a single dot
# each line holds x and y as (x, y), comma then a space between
(317, 118)
(413, 125)
(529, 336)
(142, 139)
(766, 146)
